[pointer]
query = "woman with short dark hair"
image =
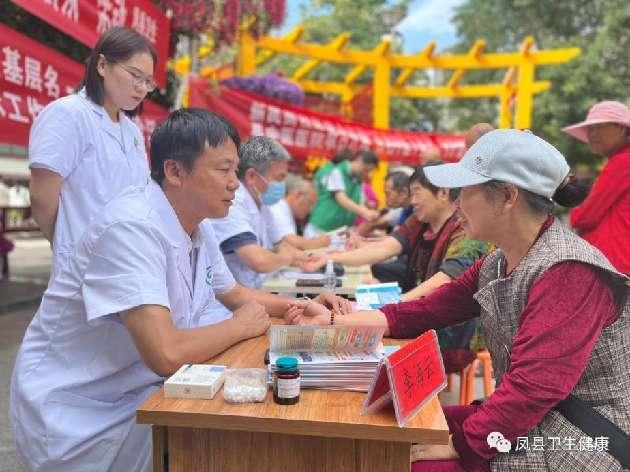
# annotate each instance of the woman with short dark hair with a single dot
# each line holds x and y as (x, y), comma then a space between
(83, 148)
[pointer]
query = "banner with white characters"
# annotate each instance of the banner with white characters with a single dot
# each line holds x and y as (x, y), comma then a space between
(33, 75)
(85, 20)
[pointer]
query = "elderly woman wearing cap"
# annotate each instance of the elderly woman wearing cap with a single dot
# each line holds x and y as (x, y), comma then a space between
(604, 218)
(555, 313)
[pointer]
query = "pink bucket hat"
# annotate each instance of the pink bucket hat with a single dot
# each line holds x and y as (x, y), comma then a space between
(609, 111)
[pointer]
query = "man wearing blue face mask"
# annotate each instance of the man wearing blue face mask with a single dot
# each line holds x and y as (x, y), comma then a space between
(245, 235)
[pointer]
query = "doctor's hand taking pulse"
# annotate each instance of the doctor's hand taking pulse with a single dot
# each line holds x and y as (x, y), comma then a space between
(340, 305)
(317, 310)
(314, 262)
(307, 313)
(293, 255)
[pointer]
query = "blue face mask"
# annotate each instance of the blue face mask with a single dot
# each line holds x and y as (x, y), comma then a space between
(275, 192)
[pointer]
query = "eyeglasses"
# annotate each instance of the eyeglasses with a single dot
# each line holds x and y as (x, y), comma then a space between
(139, 79)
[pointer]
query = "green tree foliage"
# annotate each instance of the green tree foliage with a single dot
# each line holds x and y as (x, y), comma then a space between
(366, 21)
(600, 27)
(323, 20)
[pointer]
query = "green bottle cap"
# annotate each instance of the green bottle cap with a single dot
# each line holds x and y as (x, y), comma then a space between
(286, 363)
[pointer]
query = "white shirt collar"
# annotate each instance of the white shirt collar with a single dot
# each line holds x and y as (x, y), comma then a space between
(122, 134)
(248, 198)
(171, 225)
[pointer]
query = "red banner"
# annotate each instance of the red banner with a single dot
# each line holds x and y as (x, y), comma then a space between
(307, 133)
(151, 116)
(33, 75)
(85, 20)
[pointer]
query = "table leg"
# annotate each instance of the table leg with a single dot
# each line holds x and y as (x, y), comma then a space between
(159, 447)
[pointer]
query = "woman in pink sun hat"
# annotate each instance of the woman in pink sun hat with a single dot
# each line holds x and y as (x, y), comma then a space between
(604, 217)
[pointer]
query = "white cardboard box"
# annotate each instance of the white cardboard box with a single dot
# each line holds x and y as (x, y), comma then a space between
(195, 381)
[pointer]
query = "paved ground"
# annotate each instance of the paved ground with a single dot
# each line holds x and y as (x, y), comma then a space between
(12, 327)
(30, 268)
(14, 295)
(30, 260)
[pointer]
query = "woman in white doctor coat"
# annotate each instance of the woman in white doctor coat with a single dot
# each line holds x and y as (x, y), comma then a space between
(83, 148)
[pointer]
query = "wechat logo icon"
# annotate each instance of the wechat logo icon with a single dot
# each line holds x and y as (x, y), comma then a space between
(496, 440)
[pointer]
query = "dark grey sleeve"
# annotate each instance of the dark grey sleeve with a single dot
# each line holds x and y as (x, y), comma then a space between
(237, 241)
(404, 242)
(454, 267)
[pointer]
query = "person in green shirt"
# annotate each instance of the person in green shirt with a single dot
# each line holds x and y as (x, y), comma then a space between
(339, 194)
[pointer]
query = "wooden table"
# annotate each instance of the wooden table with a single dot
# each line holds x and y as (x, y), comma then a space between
(352, 277)
(323, 432)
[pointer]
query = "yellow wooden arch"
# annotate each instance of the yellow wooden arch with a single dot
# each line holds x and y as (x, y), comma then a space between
(519, 83)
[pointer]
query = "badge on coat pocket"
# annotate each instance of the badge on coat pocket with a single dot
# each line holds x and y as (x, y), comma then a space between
(209, 276)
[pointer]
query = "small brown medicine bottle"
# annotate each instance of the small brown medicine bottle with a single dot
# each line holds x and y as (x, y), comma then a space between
(286, 381)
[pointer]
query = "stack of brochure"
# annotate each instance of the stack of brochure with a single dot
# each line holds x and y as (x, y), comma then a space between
(330, 357)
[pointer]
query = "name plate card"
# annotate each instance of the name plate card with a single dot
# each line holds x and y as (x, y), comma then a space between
(408, 378)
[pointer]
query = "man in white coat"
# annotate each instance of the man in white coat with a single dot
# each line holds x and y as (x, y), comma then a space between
(297, 204)
(123, 313)
(246, 234)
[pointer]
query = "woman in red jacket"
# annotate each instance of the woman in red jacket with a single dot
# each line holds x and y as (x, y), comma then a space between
(604, 218)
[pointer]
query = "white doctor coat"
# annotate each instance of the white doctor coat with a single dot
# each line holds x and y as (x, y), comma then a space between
(97, 158)
(78, 377)
(245, 217)
(283, 219)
